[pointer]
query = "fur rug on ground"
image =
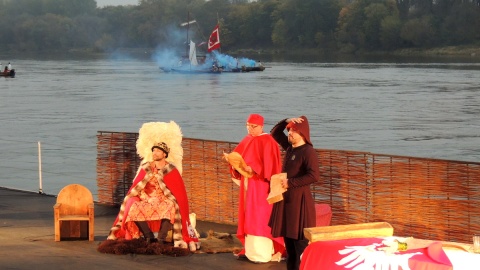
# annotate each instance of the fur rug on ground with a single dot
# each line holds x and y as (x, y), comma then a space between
(219, 243)
(140, 246)
(212, 243)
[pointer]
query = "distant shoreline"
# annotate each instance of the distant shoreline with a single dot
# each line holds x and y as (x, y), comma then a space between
(468, 53)
(448, 50)
(472, 51)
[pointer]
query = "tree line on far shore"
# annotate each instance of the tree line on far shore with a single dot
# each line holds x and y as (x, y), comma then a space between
(347, 26)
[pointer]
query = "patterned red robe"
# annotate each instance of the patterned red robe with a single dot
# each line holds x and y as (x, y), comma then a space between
(171, 202)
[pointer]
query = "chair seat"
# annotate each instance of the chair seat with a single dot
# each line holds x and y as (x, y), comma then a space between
(74, 217)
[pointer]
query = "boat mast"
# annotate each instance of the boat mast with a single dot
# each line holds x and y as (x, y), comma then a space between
(188, 29)
(218, 23)
(188, 41)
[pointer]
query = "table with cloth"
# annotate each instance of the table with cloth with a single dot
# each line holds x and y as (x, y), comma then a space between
(369, 253)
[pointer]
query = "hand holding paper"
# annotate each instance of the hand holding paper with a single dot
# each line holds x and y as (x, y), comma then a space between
(276, 189)
(237, 162)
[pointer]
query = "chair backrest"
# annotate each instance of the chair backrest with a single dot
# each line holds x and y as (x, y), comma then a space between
(74, 200)
(323, 214)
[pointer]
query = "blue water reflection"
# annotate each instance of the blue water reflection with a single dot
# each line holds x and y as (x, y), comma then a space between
(414, 109)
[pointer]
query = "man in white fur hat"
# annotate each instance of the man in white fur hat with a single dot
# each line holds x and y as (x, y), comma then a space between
(157, 200)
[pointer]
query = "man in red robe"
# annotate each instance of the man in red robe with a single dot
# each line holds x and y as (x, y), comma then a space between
(262, 158)
(156, 202)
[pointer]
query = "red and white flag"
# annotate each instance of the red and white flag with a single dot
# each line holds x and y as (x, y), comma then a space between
(214, 40)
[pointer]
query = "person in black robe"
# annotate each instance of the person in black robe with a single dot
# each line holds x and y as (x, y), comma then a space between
(297, 209)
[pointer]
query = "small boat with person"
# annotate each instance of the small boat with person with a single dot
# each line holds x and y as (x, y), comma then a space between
(8, 73)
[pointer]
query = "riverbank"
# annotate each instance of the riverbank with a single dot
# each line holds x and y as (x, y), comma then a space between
(469, 53)
(472, 51)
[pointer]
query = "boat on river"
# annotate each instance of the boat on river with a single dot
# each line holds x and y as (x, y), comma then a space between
(213, 61)
(189, 70)
(191, 63)
(259, 68)
(10, 73)
(245, 69)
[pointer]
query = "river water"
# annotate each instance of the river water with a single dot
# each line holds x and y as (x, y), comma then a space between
(414, 109)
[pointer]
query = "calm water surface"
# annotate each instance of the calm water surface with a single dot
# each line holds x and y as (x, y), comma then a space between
(425, 110)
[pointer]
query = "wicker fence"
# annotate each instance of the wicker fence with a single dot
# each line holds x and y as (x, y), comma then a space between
(420, 197)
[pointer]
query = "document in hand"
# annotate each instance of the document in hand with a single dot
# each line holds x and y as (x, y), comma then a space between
(276, 189)
(237, 162)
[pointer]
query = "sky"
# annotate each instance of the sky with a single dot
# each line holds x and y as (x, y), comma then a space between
(102, 3)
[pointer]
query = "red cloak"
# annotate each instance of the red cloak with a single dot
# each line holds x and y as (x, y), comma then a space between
(262, 154)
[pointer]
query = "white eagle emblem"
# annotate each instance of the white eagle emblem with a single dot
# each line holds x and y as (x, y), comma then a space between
(372, 257)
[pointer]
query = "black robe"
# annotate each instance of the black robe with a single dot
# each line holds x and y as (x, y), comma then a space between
(297, 209)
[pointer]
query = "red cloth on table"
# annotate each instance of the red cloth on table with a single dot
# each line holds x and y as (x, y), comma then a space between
(324, 255)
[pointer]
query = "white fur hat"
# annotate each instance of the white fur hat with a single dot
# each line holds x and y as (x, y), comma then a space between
(157, 132)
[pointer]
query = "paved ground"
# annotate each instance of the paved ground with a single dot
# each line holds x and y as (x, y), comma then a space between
(27, 241)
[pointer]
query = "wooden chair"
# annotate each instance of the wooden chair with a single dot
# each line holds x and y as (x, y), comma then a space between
(74, 213)
(323, 214)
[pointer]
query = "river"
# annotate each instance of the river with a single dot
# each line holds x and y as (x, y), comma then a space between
(428, 109)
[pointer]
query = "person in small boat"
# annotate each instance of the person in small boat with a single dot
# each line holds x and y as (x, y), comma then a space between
(6, 71)
(215, 65)
(156, 202)
(9, 66)
(262, 157)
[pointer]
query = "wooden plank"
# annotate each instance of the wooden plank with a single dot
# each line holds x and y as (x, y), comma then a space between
(326, 233)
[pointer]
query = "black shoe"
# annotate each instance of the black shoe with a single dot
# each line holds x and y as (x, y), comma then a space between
(164, 242)
(151, 240)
